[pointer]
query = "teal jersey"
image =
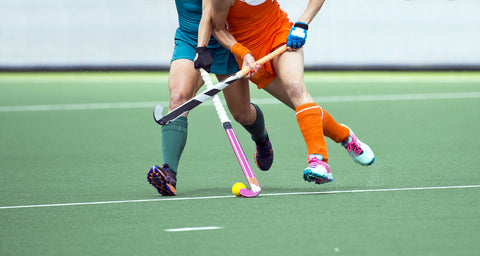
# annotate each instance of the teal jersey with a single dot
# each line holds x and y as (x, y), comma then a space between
(189, 16)
(186, 37)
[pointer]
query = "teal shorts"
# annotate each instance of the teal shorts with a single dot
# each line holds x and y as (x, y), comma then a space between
(224, 62)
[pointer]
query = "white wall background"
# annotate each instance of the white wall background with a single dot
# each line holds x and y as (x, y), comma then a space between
(140, 32)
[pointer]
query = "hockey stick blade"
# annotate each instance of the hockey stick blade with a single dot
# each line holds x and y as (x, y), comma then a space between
(251, 193)
(158, 112)
(248, 193)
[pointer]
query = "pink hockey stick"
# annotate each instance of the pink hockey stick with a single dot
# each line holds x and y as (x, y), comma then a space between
(237, 148)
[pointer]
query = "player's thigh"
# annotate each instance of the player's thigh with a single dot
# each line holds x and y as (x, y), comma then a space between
(278, 90)
(289, 68)
(183, 82)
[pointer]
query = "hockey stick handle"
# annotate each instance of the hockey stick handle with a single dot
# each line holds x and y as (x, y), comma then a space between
(216, 100)
(245, 70)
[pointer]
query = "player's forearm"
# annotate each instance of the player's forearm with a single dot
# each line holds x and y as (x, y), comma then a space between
(224, 37)
(311, 11)
(205, 26)
(220, 9)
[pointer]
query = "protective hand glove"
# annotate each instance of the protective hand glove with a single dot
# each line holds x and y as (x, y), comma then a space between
(204, 59)
(298, 35)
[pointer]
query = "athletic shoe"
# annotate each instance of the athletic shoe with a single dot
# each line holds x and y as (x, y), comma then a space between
(360, 152)
(317, 171)
(264, 155)
(163, 179)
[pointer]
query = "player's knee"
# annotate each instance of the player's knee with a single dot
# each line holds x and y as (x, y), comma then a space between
(242, 117)
(295, 88)
(177, 98)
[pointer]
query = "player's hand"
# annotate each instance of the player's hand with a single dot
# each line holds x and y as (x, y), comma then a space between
(204, 59)
(297, 37)
(249, 60)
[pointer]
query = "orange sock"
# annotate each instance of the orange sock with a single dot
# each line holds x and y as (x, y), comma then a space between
(309, 118)
(332, 129)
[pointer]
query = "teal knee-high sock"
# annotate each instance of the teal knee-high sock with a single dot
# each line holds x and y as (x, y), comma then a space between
(174, 138)
(257, 129)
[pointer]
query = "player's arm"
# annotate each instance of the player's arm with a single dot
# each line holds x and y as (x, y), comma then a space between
(220, 9)
(298, 33)
(219, 12)
(313, 7)
(204, 59)
(205, 26)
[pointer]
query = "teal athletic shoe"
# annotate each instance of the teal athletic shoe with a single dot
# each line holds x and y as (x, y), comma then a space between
(163, 179)
(360, 152)
(264, 155)
(317, 171)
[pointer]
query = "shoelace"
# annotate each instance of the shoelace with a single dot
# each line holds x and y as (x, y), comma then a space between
(354, 146)
(313, 162)
(170, 178)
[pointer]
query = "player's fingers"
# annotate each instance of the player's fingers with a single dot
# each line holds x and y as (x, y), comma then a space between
(254, 70)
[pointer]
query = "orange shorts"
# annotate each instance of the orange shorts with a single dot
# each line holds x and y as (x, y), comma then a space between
(266, 73)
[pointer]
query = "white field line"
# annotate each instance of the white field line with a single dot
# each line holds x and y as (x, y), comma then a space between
(147, 104)
(191, 229)
(232, 196)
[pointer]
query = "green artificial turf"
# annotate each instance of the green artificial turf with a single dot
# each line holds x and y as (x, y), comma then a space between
(73, 181)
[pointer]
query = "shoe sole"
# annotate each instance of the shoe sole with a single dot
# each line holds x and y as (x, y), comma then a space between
(364, 164)
(368, 164)
(310, 176)
(159, 181)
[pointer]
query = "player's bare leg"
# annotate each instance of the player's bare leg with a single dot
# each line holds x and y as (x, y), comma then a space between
(289, 67)
(183, 82)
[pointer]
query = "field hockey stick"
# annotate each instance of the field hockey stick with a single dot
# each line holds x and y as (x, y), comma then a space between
(207, 94)
(237, 148)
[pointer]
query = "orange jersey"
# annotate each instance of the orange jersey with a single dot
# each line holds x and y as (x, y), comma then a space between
(261, 28)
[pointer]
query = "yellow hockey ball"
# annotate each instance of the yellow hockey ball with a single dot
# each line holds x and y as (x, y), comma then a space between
(236, 188)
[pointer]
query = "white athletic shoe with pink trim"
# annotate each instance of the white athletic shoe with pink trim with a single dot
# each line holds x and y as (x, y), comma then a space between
(360, 152)
(317, 171)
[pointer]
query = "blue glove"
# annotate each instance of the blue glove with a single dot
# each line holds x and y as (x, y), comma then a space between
(298, 35)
